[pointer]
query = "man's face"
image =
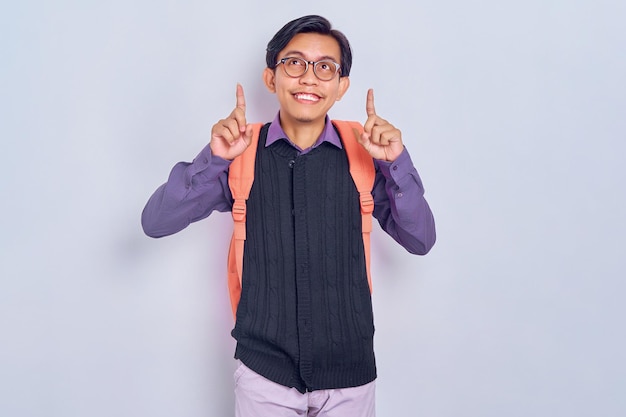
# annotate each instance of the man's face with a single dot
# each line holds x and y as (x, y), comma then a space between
(306, 99)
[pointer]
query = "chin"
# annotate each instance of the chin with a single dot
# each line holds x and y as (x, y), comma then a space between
(306, 117)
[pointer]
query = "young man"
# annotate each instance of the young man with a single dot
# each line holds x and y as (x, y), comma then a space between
(304, 323)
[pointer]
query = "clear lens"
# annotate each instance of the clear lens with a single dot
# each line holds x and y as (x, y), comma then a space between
(325, 70)
(295, 67)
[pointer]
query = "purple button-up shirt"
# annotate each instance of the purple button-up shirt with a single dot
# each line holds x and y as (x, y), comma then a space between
(276, 132)
(194, 190)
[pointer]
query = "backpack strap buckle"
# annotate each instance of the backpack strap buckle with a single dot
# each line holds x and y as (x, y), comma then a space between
(239, 210)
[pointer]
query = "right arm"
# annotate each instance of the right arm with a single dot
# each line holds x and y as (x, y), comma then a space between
(194, 190)
(191, 193)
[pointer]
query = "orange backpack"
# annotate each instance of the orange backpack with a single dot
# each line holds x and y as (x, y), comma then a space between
(241, 177)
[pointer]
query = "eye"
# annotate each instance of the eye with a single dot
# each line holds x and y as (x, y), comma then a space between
(295, 62)
(326, 66)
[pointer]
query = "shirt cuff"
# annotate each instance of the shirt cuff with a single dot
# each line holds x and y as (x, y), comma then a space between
(205, 167)
(401, 167)
(208, 164)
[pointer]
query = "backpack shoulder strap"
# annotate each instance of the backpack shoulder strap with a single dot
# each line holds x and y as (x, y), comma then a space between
(240, 179)
(363, 174)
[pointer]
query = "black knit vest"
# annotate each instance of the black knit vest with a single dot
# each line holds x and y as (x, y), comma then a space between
(304, 319)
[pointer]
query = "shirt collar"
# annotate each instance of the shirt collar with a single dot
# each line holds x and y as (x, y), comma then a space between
(329, 134)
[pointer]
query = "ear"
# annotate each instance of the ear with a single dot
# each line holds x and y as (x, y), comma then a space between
(344, 83)
(269, 78)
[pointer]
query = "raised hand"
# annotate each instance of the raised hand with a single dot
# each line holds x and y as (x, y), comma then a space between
(380, 138)
(231, 136)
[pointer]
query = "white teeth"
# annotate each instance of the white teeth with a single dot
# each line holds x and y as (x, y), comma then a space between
(308, 97)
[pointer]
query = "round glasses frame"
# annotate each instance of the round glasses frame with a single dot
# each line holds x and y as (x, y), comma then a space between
(306, 67)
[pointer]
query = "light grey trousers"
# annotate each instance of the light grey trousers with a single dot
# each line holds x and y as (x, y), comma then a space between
(256, 396)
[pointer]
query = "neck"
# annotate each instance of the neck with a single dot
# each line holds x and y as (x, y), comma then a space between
(303, 133)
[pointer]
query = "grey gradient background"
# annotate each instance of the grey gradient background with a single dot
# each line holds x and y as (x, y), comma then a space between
(513, 112)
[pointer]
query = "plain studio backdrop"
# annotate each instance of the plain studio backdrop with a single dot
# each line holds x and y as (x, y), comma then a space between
(514, 114)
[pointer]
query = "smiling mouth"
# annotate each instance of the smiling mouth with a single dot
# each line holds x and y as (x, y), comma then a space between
(311, 98)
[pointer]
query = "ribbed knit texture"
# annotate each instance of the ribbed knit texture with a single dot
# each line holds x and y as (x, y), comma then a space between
(305, 315)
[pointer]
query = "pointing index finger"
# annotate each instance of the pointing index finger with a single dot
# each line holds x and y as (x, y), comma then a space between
(241, 99)
(369, 105)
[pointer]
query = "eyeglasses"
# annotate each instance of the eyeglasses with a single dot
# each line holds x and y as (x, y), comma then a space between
(325, 69)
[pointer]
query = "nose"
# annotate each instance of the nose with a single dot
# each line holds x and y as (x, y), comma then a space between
(309, 77)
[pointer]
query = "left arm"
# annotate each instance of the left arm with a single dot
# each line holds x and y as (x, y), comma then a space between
(400, 206)
(399, 203)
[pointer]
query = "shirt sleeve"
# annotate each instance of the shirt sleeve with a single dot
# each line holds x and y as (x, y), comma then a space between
(192, 192)
(400, 206)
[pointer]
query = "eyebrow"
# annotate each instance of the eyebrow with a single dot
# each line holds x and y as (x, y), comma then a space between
(300, 54)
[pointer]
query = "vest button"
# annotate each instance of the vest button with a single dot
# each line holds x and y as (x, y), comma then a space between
(292, 163)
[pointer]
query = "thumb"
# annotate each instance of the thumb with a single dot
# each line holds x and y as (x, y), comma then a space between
(247, 136)
(364, 140)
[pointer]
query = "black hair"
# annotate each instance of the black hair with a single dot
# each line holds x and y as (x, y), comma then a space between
(308, 24)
